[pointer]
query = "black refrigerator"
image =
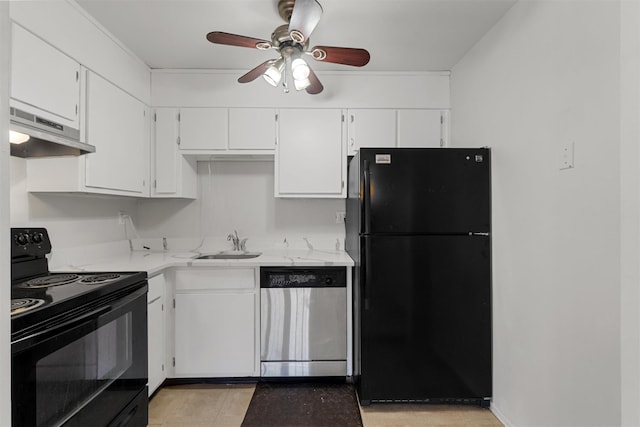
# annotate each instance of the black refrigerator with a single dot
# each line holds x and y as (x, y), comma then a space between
(419, 230)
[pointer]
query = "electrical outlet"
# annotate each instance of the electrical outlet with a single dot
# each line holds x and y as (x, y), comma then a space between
(340, 217)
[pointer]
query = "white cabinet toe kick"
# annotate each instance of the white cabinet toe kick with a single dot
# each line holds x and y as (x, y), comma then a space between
(324, 368)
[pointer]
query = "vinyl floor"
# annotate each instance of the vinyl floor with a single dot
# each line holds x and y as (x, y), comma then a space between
(218, 405)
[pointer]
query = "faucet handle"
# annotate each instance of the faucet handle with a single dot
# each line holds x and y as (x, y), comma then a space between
(243, 243)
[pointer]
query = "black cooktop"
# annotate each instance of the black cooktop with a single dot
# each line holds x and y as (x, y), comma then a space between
(39, 296)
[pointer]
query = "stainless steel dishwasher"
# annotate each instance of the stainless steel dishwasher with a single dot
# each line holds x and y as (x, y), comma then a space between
(303, 327)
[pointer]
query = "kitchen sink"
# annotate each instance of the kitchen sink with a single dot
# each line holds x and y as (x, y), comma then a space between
(231, 255)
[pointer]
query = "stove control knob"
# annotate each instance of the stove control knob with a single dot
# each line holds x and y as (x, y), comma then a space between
(36, 238)
(22, 239)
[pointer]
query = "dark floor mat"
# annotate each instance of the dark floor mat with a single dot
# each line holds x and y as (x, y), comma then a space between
(303, 404)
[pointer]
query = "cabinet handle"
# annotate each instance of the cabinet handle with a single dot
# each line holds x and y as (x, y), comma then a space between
(178, 141)
(76, 109)
(352, 118)
(77, 75)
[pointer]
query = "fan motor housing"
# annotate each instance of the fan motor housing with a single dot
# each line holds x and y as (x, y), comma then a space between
(285, 9)
(281, 37)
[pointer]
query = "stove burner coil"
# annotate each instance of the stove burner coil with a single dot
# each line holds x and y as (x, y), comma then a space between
(100, 278)
(47, 281)
(21, 305)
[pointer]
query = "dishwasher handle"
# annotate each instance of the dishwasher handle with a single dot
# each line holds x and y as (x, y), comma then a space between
(303, 277)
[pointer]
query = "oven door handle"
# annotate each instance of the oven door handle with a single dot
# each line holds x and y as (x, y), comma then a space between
(27, 341)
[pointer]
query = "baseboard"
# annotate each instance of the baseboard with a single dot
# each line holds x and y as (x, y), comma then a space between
(500, 416)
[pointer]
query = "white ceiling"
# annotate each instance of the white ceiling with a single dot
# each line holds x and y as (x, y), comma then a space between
(401, 35)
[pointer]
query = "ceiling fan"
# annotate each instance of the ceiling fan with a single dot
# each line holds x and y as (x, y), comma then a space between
(292, 43)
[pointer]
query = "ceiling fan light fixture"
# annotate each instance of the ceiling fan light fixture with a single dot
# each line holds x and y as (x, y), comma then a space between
(273, 74)
(301, 84)
(299, 69)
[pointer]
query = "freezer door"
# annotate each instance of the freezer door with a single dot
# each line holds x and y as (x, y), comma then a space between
(424, 305)
(429, 190)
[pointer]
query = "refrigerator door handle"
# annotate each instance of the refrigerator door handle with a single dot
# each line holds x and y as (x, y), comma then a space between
(366, 213)
(364, 279)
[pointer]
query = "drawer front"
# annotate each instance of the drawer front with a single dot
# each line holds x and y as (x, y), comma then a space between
(156, 287)
(215, 278)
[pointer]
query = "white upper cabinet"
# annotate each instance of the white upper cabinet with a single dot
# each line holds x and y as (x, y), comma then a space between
(252, 129)
(422, 128)
(166, 156)
(117, 125)
(203, 128)
(310, 156)
(44, 77)
(172, 174)
(371, 128)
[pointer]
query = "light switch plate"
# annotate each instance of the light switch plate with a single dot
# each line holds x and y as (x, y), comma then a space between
(567, 155)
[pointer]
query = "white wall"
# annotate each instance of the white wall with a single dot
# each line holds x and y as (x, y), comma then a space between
(71, 219)
(545, 75)
(347, 89)
(238, 195)
(5, 278)
(630, 210)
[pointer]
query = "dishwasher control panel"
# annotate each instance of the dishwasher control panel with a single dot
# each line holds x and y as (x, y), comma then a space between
(303, 277)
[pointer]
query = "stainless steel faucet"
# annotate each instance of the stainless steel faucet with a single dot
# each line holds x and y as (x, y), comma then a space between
(238, 245)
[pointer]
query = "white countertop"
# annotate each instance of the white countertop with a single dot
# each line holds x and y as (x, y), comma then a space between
(154, 262)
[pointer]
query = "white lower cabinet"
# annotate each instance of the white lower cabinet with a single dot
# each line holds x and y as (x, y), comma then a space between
(156, 332)
(216, 323)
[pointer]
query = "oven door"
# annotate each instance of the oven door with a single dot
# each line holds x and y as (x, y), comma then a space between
(85, 371)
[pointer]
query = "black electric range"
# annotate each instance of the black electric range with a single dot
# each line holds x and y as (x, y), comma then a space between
(39, 295)
(78, 341)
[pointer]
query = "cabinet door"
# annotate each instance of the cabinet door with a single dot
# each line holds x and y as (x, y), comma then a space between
(166, 151)
(252, 128)
(215, 334)
(420, 128)
(156, 332)
(371, 128)
(310, 159)
(44, 77)
(203, 128)
(116, 126)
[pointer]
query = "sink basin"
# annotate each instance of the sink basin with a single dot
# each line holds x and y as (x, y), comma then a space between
(231, 255)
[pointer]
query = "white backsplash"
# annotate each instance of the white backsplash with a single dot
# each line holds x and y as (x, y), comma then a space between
(72, 219)
(238, 195)
(233, 195)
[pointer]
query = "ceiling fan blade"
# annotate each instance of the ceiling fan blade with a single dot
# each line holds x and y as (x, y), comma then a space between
(219, 37)
(304, 18)
(341, 55)
(256, 72)
(315, 87)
